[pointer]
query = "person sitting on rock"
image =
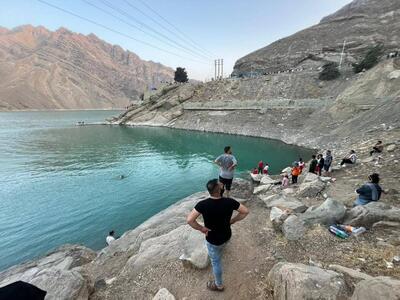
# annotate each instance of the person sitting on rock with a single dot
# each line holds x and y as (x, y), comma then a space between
(378, 148)
(217, 215)
(266, 168)
(110, 238)
(255, 171)
(320, 165)
(285, 181)
(260, 167)
(313, 165)
(349, 159)
(371, 191)
(295, 173)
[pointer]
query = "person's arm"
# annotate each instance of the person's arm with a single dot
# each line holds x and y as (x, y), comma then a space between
(362, 190)
(234, 164)
(192, 221)
(218, 161)
(243, 211)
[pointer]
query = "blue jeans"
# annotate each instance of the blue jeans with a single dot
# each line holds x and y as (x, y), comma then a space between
(215, 254)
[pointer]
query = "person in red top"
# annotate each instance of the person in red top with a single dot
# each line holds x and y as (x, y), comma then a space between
(255, 171)
(260, 167)
(295, 173)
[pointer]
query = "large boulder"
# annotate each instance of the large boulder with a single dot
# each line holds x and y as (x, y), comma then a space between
(61, 284)
(183, 242)
(311, 189)
(329, 212)
(265, 179)
(377, 288)
(310, 177)
(293, 228)
(367, 215)
(262, 189)
(292, 281)
(282, 201)
(57, 273)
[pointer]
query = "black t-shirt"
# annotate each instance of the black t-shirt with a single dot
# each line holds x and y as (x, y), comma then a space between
(217, 214)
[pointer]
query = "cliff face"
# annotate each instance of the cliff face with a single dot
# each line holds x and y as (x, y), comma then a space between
(40, 69)
(362, 23)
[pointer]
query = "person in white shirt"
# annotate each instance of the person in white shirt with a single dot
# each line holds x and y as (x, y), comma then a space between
(110, 238)
(266, 168)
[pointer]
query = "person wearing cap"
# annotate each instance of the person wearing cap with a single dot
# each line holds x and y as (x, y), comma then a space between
(217, 214)
(369, 192)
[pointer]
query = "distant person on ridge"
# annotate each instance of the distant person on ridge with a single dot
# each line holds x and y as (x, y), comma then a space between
(217, 215)
(313, 165)
(110, 238)
(227, 163)
(349, 159)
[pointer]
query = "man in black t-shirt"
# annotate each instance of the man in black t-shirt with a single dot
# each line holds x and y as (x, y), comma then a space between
(217, 215)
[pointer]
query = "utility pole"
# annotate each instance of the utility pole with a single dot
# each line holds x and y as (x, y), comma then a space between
(341, 56)
(222, 68)
(218, 65)
(215, 69)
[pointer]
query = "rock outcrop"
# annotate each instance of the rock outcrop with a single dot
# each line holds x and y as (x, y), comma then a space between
(58, 273)
(297, 281)
(377, 288)
(40, 69)
(362, 24)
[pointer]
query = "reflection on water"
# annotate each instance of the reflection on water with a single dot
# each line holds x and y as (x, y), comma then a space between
(59, 182)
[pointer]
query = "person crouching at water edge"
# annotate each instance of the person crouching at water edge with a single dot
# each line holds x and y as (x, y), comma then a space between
(217, 215)
(227, 163)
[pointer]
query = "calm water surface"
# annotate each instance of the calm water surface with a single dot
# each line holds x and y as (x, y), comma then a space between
(59, 182)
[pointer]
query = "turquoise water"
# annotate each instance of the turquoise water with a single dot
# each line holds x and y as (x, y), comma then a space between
(59, 182)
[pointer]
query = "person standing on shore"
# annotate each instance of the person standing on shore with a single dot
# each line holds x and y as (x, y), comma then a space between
(320, 165)
(217, 215)
(227, 163)
(260, 167)
(328, 161)
(313, 165)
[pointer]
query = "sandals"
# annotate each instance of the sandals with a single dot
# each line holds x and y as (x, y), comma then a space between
(213, 287)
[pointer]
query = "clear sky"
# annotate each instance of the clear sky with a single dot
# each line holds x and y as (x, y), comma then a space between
(227, 29)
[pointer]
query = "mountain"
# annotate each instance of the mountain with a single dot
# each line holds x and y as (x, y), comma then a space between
(41, 69)
(362, 23)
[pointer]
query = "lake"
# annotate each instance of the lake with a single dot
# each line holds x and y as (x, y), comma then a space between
(59, 183)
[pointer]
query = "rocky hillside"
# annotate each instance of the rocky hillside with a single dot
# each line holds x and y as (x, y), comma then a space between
(41, 69)
(362, 23)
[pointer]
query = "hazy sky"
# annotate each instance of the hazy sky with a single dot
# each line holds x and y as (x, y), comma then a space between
(227, 29)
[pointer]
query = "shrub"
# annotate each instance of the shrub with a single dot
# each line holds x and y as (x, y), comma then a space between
(371, 59)
(181, 75)
(329, 71)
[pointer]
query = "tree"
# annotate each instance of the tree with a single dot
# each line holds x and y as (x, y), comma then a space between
(329, 71)
(181, 75)
(370, 59)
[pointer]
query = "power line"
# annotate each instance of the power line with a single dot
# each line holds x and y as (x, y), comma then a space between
(176, 29)
(115, 31)
(151, 29)
(160, 24)
(132, 25)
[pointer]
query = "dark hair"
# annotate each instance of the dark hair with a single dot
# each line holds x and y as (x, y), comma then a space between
(374, 177)
(380, 142)
(227, 148)
(313, 156)
(300, 159)
(211, 185)
(352, 151)
(111, 232)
